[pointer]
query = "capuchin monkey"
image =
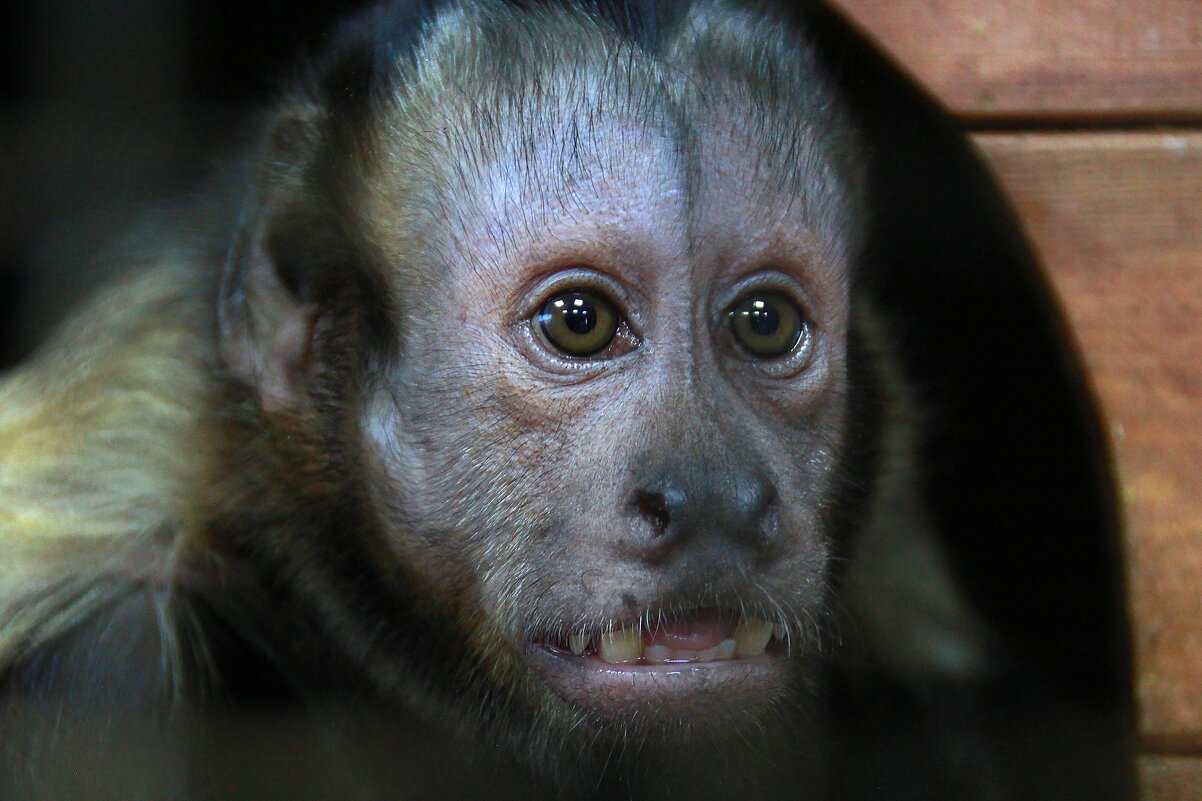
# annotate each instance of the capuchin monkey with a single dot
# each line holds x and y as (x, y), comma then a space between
(525, 420)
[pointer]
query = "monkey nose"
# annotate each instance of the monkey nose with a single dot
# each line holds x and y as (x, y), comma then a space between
(679, 509)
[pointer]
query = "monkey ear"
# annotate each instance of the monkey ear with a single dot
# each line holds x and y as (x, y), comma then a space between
(265, 327)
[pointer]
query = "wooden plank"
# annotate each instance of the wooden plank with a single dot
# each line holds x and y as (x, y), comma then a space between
(1171, 778)
(1095, 59)
(1117, 219)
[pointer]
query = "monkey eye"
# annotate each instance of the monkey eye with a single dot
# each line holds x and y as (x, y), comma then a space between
(577, 322)
(766, 324)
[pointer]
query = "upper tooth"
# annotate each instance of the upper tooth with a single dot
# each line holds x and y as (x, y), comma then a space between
(577, 643)
(622, 646)
(778, 631)
(751, 636)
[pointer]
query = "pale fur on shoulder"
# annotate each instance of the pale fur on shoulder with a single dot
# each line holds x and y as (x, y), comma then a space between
(94, 457)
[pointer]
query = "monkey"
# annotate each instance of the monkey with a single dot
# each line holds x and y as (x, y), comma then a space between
(522, 420)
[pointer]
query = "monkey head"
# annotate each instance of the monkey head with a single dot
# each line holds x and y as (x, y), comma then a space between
(577, 346)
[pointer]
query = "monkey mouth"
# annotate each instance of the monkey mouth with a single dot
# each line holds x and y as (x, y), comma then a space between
(692, 664)
(699, 636)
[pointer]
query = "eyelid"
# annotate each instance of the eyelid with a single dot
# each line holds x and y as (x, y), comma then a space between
(808, 347)
(768, 281)
(554, 363)
(579, 277)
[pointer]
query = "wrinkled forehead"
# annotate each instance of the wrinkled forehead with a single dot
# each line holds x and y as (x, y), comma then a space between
(556, 104)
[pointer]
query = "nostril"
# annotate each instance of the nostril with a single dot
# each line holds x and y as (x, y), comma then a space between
(654, 507)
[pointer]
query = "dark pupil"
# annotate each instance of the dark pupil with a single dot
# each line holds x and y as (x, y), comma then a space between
(579, 315)
(763, 318)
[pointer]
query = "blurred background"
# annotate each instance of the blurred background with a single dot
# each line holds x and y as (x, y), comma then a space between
(110, 107)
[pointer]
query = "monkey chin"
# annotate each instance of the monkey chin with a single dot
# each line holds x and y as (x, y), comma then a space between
(704, 671)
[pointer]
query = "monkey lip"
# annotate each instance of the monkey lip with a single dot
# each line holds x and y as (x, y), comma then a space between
(692, 665)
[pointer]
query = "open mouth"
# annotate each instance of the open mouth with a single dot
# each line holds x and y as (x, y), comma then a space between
(705, 635)
(704, 665)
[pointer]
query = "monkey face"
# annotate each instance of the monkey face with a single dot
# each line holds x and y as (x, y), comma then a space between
(608, 442)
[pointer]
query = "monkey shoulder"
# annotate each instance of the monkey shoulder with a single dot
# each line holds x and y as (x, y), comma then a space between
(95, 433)
(98, 454)
(114, 691)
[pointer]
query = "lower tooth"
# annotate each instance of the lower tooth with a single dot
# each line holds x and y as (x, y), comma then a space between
(620, 647)
(751, 636)
(657, 654)
(723, 650)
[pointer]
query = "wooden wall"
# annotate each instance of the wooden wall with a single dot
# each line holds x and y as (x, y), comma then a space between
(1090, 114)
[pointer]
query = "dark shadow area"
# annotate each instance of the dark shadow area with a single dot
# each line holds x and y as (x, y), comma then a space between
(1017, 467)
(108, 108)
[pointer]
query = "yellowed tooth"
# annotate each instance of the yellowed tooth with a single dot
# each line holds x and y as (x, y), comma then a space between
(577, 642)
(726, 649)
(657, 654)
(622, 646)
(778, 631)
(751, 637)
(708, 655)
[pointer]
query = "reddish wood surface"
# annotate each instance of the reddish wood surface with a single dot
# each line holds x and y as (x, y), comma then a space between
(1171, 779)
(1117, 219)
(1046, 58)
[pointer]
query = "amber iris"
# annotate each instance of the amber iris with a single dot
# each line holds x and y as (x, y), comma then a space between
(766, 325)
(578, 322)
